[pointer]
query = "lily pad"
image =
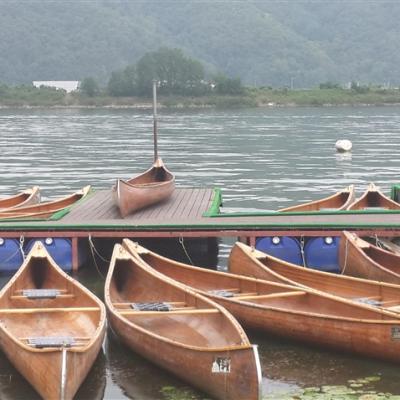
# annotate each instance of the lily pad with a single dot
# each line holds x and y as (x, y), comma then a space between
(339, 389)
(310, 390)
(372, 378)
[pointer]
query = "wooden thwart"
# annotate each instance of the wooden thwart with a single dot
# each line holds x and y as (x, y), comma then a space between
(45, 310)
(187, 310)
(271, 296)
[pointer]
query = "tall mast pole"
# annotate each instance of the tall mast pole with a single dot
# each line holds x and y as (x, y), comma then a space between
(155, 119)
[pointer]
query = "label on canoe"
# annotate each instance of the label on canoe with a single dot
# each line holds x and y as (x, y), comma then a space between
(395, 332)
(221, 365)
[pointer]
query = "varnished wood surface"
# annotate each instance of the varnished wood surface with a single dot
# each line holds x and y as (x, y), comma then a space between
(187, 342)
(76, 313)
(362, 259)
(373, 198)
(338, 201)
(151, 187)
(44, 210)
(26, 198)
(184, 204)
(313, 317)
(247, 261)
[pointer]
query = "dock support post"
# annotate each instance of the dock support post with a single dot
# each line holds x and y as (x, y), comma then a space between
(252, 241)
(75, 255)
(249, 240)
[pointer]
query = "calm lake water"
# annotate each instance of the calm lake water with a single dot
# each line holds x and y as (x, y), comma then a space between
(262, 159)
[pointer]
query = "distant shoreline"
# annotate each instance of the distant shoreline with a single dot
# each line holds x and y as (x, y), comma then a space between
(252, 98)
(190, 107)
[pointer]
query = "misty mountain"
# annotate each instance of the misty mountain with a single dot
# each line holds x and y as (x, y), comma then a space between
(270, 43)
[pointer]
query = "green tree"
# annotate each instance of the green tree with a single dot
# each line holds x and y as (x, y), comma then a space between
(230, 86)
(123, 83)
(176, 73)
(89, 87)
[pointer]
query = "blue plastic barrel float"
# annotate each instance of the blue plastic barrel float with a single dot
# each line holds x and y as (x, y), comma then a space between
(11, 256)
(60, 250)
(284, 247)
(322, 253)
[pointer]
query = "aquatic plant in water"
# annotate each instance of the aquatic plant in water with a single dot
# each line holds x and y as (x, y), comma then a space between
(358, 389)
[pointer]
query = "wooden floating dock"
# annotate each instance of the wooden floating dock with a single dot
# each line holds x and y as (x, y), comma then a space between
(194, 213)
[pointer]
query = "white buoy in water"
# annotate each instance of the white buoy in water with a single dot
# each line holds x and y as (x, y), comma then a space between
(343, 145)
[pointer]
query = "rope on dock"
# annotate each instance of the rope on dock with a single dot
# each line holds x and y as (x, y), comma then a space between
(184, 249)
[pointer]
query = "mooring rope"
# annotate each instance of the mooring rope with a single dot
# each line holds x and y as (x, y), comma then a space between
(184, 249)
(346, 249)
(21, 246)
(93, 250)
(19, 250)
(378, 243)
(303, 257)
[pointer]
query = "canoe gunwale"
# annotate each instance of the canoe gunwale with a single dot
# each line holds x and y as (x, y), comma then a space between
(300, 207)
(352, 241)
(232, 300)
(112, 309)
(101, 308)
(51, 207)
(140, 192)
(321, 274)
(355, 205)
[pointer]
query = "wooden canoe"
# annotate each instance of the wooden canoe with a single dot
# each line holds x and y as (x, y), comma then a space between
(152, 186)
(338, 201)
(51, 327)
(26, 198)
(298, 313)
(245, 260)
(44, 210)
(372, 199)
(362, 259)
(179, 330)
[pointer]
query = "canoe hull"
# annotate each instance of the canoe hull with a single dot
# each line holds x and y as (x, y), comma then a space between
(27, 198)
(285, 310)
(41, 304)
(233, 385)
(361, 259)
(44, 210)
(153, 186)
(373, 198)
(339, 201)
(45, 376)
(377, 340)
(246, 261)
(194, 338)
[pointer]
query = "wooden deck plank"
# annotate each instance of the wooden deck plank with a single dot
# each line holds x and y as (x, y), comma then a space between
(183, 205)
(183, 212)
(203, 200)
(195, 201)
(180, 211)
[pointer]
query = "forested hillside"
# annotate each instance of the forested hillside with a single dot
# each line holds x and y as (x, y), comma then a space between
(271, 43)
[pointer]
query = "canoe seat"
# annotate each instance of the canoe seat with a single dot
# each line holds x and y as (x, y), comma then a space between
(151, 306)
(221, 293)
(368, 300)
(41, 342)
(36, 294)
